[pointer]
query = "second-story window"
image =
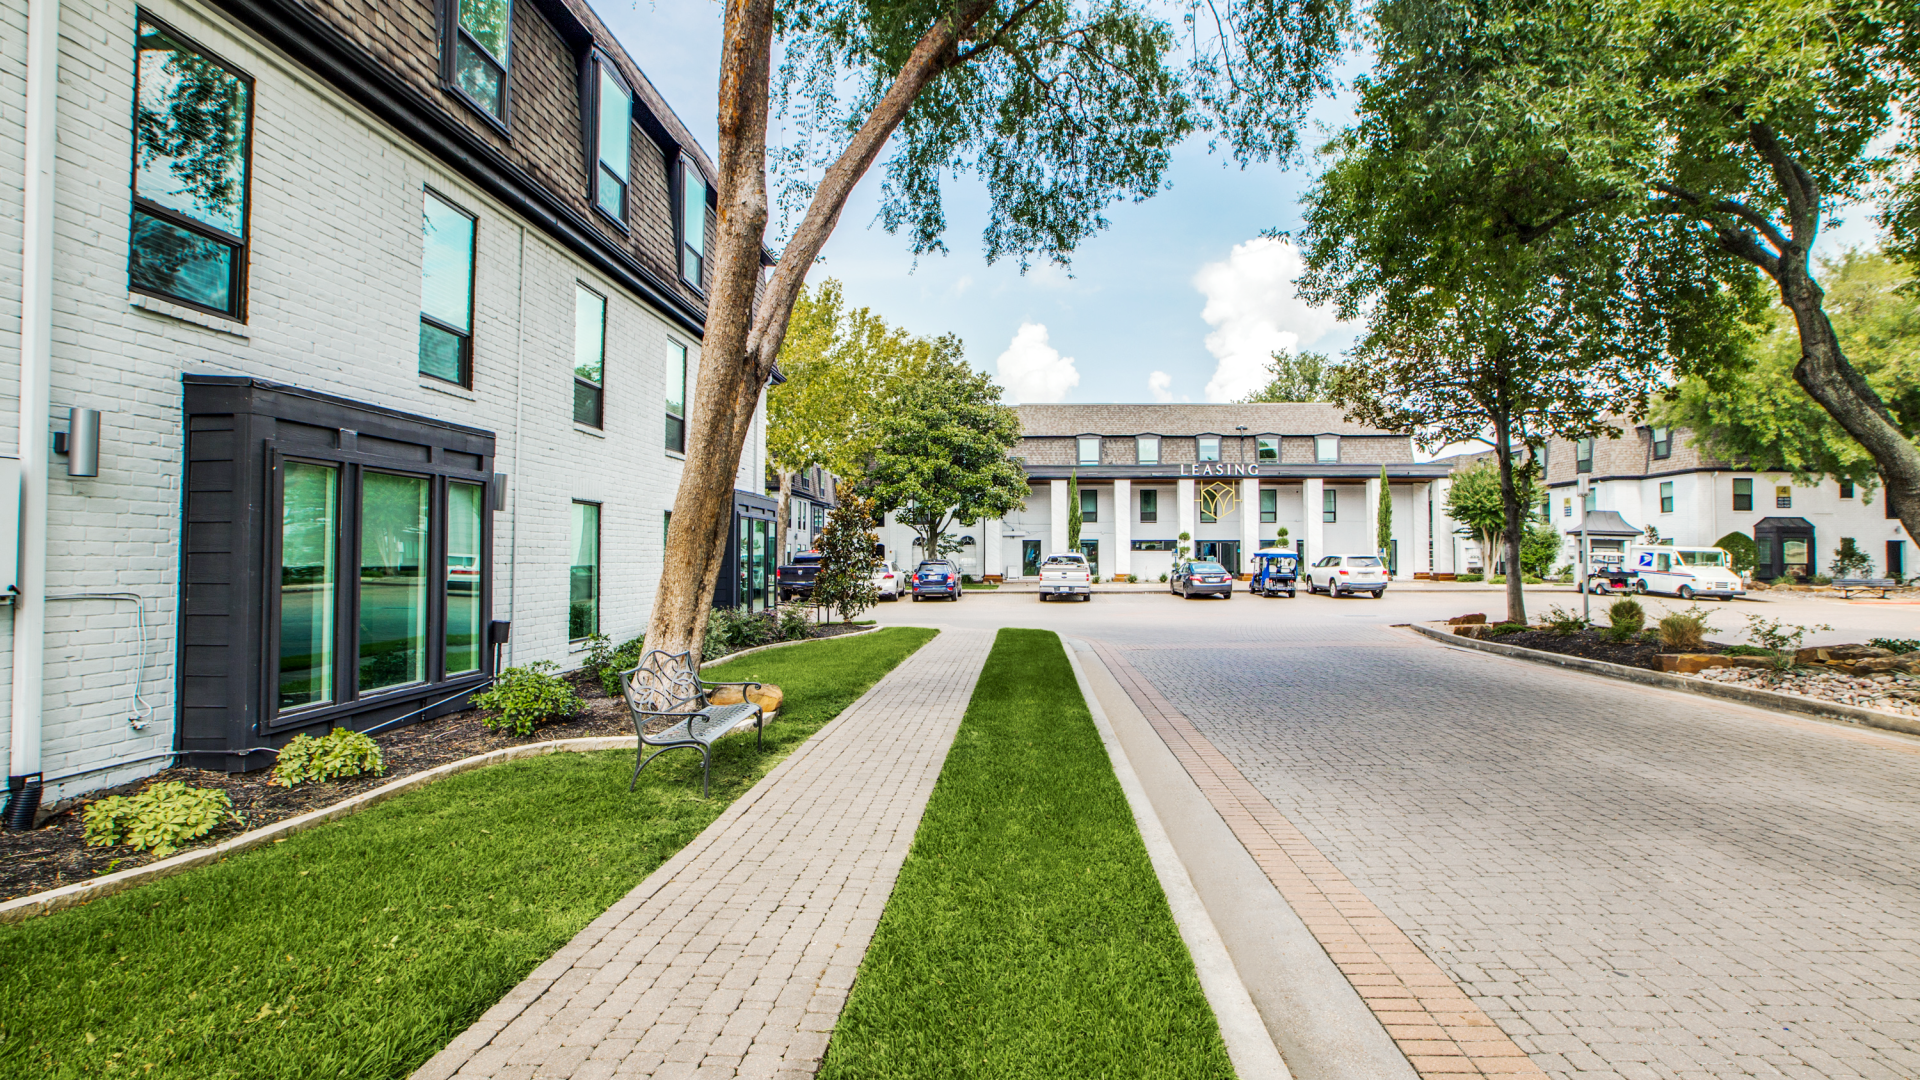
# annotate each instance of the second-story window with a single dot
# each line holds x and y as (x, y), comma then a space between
(1209, 447)
(1089, 450)
(1743, 495)
(1267, 449)
(692, 225)
(446, 292)
(1149, 506)
(1583, 455)
(478, 57)
(1662, 442)
(676, 397)
(589, 355)
(612, 149)
(1089, 505)
(191, 120)
(1147, 449)
(1326, 449)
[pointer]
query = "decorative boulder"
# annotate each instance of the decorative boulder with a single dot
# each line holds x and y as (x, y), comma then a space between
(1905, 664)
(767, 697)
(1847, 653)
(1467, 620)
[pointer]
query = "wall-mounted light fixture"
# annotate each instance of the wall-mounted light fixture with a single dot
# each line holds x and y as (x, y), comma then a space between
(80, 442)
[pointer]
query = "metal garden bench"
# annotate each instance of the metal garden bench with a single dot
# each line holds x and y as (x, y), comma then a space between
(1849, 586)
(668, 686)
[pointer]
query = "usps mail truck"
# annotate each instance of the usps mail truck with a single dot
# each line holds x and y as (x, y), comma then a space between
(1685, 572)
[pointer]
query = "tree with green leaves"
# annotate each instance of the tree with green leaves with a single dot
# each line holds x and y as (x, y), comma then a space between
(1764, 420)
(1076, 517)
(1497, 309)
(845, 368)
(1475, 500)
(1293, 376)
(845, 579)
(943, 458)
(1059, 106)
(1383, 517)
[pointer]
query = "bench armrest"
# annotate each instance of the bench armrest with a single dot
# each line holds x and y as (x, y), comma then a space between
(744, 686)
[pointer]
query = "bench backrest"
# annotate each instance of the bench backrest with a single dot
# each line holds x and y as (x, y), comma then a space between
(664, 683)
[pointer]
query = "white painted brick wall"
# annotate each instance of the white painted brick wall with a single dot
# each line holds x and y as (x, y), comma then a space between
(334, 307)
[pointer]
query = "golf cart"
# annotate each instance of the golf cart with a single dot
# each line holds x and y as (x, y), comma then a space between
(1275, 570)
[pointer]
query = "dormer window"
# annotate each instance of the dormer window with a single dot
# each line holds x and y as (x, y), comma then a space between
(477, 55)
(1146, 450)
(1583, 455)
(1267, 449)
(691, 224)
(1326, 449)
(1662, 443)
(1089, 450)
(611, 129)
(1209, 447)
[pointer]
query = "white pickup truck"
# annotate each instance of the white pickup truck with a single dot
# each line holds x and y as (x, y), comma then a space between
(1066, 574)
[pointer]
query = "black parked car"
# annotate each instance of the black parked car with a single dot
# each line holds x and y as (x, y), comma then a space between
(1201, 577)
(936, 577)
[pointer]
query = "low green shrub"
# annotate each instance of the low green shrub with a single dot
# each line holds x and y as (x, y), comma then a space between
(605, 661)
(1467, 577)
(729, 630)
(1563, 623)
(522, 697)
(338, 753)
(1685, 629)
(159, 819)
(794, 625)
(1745, 650)
(1505, 628)
(1625, 618)
(1163, 579)
(966, 579)
(1781, 640)
(1896, 645)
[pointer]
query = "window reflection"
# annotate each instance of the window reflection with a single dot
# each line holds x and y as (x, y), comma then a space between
(393, 581)
(583, 592)
(309, 576)
(465, 575)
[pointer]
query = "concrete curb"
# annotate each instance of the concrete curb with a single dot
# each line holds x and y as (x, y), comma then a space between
(1249, 1045)
(1764, 699)
(732, 656)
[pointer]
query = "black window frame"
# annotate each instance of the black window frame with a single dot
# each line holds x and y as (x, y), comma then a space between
(353, 466)
(1666, 496)
(599, 566)
(598, 390)
(1199, 445)
(241, 245)
(685, 168)
(595, 63)
(1330, 506)
(1320, 460)
(1583, 455)
(1269, 506)
(473, 272)
(1259, 448)
(676, 433)
(1662, 443)
(1846, 489)
(1739, 495)
(451, 33)
(1149, 506)
(1089, 505)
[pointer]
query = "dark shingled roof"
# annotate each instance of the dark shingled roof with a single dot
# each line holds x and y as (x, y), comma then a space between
(1288, 418)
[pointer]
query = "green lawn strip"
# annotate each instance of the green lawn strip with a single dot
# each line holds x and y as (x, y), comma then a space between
(360, 948)
(1027, 935)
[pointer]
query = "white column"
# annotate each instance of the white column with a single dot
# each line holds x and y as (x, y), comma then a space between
(1403, 510)
(1183, 495)
(1056, 517)
(1422, 498)
(1444, 542)
(1249, 522)
(1316, 527)
(1122, 560)
(990, 561)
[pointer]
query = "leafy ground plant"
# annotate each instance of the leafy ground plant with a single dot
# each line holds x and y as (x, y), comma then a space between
(1780, 639)
(356, 950)
(1027, 936)
(524, 696)
(158, 819)
(1563, 623)
(1897, 646)
(1685, 629)
(605, 660)
(338, 753)
(1625, 619)
(1505, 628)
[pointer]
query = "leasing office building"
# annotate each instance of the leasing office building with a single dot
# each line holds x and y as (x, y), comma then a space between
(1230, 476)
(389, 310)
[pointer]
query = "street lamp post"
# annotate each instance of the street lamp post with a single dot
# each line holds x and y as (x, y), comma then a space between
(1586, 573)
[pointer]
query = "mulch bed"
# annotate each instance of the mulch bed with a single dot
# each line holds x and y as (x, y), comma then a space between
(1593, 645)
(56, 853)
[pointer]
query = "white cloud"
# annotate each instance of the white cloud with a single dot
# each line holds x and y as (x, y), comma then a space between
(1034, 371)
(1161, 384)
(1254, 312)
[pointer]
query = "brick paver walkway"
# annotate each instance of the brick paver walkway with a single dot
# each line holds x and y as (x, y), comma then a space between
(735, 957)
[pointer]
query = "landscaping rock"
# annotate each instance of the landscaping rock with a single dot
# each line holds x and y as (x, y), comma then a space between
(1826, 684)
(767, 697)
(1908, 663)
(1467, 620)
(1848, 653)
(1691, 663)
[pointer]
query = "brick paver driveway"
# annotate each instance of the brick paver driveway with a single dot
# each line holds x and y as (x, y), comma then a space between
(1632, 883)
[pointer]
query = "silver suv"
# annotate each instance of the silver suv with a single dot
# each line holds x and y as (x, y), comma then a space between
(1337, 574)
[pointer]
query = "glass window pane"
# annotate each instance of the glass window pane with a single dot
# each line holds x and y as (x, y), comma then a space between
(477, 76)
(446, 265)
(612, 194)
(465, 575)
(178, 262)
(616, 118)
(586, 404)
(190, 132)
(676, 397)
(393, 580)
(1210, 448)
(693, 222)
(1149, 450)
(309, 580)
(1090, 451)
(1267, 449)
(487, 21)
(442, 354)
(583, 583)
(1269, 505)
(589, 334)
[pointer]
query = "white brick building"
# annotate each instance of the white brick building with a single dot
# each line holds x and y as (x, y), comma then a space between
(315, 306)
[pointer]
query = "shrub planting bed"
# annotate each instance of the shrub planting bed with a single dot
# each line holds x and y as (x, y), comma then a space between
(57, 854)
(1595, 645)
(359, 948)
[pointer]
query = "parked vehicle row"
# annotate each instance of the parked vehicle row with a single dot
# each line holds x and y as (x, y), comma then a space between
(936, 577)
(1066, 574)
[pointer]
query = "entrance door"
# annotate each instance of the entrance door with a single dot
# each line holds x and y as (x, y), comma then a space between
(1224, 552)
(1029, 558)
(1091, 549)
(1896, 558)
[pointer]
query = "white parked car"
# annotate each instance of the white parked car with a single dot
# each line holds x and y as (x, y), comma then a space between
(1685, 572)
(889, 581)
(1337, 574)
(1066, 574)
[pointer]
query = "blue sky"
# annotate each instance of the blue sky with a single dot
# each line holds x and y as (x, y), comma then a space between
(1177, 300)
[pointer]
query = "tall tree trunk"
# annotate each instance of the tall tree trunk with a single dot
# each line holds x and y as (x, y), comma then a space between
(781, 514)
(743, 339)
(1510, 502)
